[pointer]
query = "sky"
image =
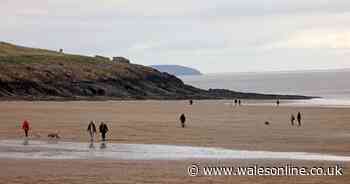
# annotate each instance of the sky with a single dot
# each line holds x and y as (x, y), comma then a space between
(212, 36)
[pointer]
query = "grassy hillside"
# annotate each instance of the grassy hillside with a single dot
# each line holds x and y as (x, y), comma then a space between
(39, 73)
(8, 49)
(31, 64)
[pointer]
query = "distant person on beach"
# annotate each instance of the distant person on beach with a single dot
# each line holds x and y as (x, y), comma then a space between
(191, 102)
(183, 120)
(236, 102)
(92, 130)
(26, 127)
(103, 130)
(278, 102)
(299, 118)
(292, 119)
(239, 102)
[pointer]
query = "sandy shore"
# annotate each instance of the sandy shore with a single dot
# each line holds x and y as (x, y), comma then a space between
(210, 124)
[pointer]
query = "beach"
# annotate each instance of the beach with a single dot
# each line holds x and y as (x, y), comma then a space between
(175, 92)
(210, 124)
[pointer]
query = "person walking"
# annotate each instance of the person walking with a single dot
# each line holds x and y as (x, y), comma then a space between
(183, 120)
(278, 102)
(103, 130)
(26, 127)
(292, 119)
(92, 130)
(239, 102)
(236, 101)
(299, 118)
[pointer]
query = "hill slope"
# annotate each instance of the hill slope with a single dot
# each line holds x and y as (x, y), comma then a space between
(7, 49)
(37, 74)
(176, 70)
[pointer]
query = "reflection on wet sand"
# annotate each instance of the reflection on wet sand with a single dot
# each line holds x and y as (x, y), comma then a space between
(25, 141)
(91, 145)
(103, 145)
(73, 150)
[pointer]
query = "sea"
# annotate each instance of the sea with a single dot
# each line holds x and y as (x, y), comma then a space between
(332, 86)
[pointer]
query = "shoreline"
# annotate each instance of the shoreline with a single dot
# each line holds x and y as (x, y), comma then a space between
(160, 98)
(311, 103)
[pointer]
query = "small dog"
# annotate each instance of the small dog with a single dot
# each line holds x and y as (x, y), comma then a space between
(54, 136)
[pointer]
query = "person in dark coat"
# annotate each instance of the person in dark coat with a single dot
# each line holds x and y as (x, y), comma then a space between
(191, 102)
(299, 118)
(278, 102)
(183, 120)
(292, 119)
(103, 130)
(92, 130)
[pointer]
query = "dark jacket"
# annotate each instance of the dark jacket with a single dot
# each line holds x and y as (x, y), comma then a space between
(91, 127)
(103, 128)
(182, 118)
(299, 116)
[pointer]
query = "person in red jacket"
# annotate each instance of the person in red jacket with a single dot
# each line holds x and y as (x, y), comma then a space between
(25, 127)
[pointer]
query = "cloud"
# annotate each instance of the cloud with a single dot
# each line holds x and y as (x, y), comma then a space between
(180, 8)
(235, 35)
(13, 8)
(317, 39)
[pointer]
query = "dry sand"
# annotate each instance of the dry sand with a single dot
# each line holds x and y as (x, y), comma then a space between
(210, 124)
(125, 172)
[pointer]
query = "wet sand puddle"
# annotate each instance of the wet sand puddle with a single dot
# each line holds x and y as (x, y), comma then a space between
(19, 149)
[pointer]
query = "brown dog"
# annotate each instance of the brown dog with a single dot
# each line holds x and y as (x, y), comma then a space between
(54, 135)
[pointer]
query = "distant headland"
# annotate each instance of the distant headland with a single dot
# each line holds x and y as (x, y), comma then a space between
(176, 70)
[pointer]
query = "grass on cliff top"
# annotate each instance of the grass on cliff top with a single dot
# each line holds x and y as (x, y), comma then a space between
(14, 54)
(31, 61)
(8, 49)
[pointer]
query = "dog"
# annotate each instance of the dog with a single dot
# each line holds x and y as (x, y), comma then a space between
(54, 136)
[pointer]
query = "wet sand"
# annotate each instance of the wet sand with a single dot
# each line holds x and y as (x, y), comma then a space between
(210, 124)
